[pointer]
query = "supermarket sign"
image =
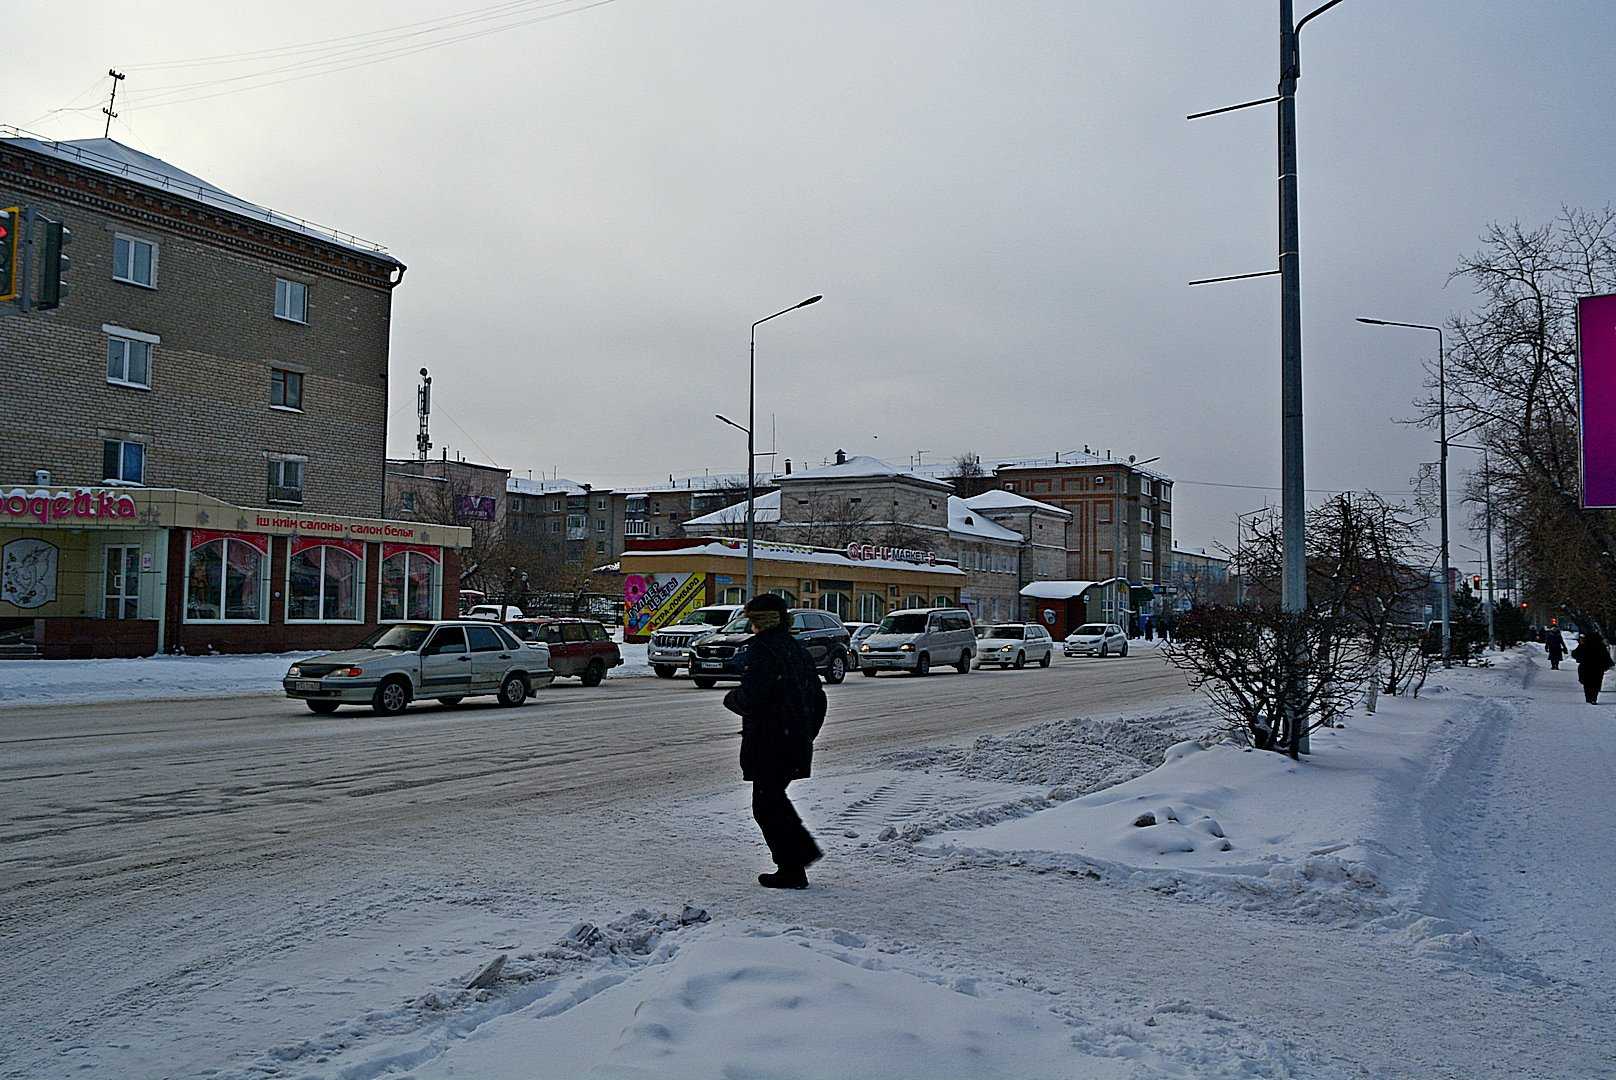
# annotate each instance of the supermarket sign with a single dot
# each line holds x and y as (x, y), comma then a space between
(1596, 385)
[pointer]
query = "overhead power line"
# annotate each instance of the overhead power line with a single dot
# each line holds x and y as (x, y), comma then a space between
(344, 61)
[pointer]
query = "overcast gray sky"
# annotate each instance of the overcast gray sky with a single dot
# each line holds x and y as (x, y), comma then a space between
(1001, 202)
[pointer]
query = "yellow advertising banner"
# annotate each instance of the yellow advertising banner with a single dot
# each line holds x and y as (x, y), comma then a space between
(652, 601)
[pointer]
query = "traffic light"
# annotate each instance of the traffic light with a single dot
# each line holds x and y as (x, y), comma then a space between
(10, 238)
(54, 265)
(1475, 582)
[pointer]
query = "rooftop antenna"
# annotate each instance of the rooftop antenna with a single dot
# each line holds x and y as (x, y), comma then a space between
(423, 411)
(117, 77)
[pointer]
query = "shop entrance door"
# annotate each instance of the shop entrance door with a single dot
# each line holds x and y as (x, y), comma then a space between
(123, 582)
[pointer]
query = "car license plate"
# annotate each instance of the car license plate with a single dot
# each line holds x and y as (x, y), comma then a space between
(308, 684)
(710, 665)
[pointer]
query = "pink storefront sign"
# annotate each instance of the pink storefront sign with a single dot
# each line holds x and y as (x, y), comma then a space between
(1596, 369)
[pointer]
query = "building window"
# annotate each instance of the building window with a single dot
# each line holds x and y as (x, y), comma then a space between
(123, 461)
(225, 579)
(915, 601)
(291, 300)
(1150, 572)
(600, 525)
(837, 603)
(1146, 542)
(410, 586)
(556, 506)
(286, 480)
(129, 361)
(735, 595)
(636, 528)
(871, 607)
(286, 389)
(1144, 514)
(134, 261)
(1099, 481)
(600, 504)
(1102, 514)
(325, 581)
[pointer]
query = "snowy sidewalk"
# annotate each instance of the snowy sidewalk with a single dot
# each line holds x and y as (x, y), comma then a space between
(1528, 856)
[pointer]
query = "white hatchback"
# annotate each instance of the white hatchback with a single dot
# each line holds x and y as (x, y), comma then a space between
(1013, 645)
(1097, 639)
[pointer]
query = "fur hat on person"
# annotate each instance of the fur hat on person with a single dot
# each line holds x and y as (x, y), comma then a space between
(766, 612)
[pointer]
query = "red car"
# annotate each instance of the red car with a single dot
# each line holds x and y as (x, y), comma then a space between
(579, 648)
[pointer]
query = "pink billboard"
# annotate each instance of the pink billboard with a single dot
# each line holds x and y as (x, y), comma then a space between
(1596, 368)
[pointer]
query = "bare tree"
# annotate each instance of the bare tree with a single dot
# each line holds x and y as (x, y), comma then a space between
(968, 476)
(1511, 375)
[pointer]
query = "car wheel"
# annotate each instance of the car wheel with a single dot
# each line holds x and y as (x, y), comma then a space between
(594, 673)
(868, 672)
(964, 665)
(391, 697)
(324, 708)
(450, 701)
(663, 671)
(704, 683)
(513, 691)
(836, 671)
(1048, 658)
(1021, 661)
(1124, 651)
(1105, 651)
(923, 665)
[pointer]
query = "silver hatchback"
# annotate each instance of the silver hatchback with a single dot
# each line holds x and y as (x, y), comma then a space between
(447, 661)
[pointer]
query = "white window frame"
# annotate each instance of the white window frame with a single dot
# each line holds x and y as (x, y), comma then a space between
(381, 582)
(359, 586)
(263, 586)
(286, 316)
(126, 337)
(131, 279)
(123, 441)
(1146, 542)
(278, 462)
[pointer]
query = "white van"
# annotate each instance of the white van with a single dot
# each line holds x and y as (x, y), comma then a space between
(915, 639)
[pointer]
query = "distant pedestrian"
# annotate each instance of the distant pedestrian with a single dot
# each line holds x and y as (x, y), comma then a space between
(1593, 660)
(1554, 642)
(782, 707)
(1167, 630)
(1150, 629)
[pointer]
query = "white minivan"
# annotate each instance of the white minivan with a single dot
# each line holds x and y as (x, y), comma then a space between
(916, 639)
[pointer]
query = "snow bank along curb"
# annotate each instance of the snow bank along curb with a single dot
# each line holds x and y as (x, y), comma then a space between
(164, 678)
(1343, 838)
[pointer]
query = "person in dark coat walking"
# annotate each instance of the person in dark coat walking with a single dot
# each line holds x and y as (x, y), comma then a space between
(782, 707)
(1593, 660)
(1554, 642)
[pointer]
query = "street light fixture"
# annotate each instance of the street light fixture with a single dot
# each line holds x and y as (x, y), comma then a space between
(751, 449)
(1442, 471)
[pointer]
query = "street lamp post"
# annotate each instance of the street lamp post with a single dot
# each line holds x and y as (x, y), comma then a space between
(1442, 473)
(751, 449)
(1487, 525)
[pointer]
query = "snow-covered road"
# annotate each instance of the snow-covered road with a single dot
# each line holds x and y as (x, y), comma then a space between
(345, 952)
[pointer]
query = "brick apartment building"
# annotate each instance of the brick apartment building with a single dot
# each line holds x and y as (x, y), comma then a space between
(1122, 514)
(230, 356)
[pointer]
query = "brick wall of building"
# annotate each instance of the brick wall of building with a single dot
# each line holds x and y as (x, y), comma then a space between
(206, 420)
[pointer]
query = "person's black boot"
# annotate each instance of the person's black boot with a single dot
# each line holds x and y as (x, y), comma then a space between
(787, 877)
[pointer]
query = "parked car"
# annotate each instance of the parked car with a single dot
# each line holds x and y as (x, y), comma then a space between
(723, 655)
(1013, 645)
(494, 612)
(579, 648)
(399, 663)
(670, 646)
(915, 639)
(1097, 639)
(856, 633)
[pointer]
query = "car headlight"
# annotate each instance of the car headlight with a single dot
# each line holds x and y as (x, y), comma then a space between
(294, 673)
(864, 648)
(906, 648)
(1007, 648)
